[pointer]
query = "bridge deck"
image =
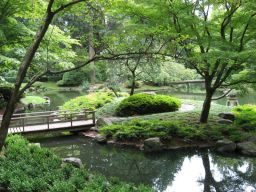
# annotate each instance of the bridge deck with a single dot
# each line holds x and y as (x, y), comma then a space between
(62, 126)
(51, 121)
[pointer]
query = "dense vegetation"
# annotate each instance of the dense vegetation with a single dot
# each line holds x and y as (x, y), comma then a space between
(143, 103)
(28, 168)
(91, 101)
(245, 117)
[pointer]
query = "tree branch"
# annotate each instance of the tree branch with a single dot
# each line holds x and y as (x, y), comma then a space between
(222, 96)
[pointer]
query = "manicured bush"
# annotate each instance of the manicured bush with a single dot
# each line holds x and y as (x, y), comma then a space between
(142, 103)
(245, 116)
(72, 78)
(29, 168)
(91, 101)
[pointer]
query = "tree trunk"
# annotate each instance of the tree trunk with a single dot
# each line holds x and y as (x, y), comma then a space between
(206, 106)
(209, 179)
(92, 54)
(133, 84)
(20, 77)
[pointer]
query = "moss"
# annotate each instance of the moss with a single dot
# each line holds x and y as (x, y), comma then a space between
(141, 103)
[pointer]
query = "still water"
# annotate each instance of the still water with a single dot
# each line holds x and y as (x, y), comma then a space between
(173, 171)
(58, 98)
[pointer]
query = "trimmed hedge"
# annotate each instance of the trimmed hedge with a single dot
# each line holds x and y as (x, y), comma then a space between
(140, 104)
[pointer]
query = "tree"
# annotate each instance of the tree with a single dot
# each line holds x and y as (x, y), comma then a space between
(26, 63)
(215, 38)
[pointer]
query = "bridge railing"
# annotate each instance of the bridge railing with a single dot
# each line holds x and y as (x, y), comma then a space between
(47, 119)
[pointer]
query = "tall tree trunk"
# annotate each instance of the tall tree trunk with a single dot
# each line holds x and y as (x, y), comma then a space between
(209, 179)
(206, 106)
(20, 77)
(133, 84)
(92, 54)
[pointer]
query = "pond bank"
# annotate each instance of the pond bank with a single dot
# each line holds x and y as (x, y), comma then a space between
(164, 172)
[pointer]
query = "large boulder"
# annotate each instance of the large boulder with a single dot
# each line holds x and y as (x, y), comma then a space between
(228, 115)
(225, 121)
(103, 121)
(153, 144)
(225, 145)
(101, 139)
(247, 148)
(73, 161)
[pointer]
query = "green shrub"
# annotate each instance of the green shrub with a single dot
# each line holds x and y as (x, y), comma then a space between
(142, 103)
(85, 85)
(91, 101)
(36, 100)
(137, 129)
(245, 116)
(29, 168)
(128, 84)
(72, 78)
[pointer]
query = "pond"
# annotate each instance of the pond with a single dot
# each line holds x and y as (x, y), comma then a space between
(173, 171)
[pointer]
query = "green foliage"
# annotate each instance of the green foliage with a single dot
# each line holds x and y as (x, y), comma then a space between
(72, 78)
(183, 127)
(142, 103)
(36, 100)
(85, 85)
(128, 84)
(91, 101)
(245, 116)
(166, 72)
(137, 129)
(109, 109)
(29, 168)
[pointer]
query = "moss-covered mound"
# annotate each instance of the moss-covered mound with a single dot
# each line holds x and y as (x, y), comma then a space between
(140, 104)
(91, 101)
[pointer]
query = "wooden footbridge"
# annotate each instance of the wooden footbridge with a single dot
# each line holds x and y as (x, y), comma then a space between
(52, 121)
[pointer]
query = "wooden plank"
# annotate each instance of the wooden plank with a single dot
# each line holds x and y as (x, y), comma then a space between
(59, 126)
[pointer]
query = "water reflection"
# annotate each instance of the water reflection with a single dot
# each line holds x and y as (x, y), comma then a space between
(187, 170)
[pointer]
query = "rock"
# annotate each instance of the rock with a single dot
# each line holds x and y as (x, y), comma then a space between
(153, 144)
(103, 121)
(3, 189)
(252, 139)
(94, 129)
(35, 144)
(247, 148)
(150, 92)
(228, 115)
(101, 139)
(73, 161)
(225, 121)
(225, 145)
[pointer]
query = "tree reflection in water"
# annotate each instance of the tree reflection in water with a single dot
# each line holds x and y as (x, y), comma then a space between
(169, 171)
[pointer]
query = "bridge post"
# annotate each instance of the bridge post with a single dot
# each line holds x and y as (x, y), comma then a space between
(48, 123)
(23, 125)
(71, 120)
(93, 118)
